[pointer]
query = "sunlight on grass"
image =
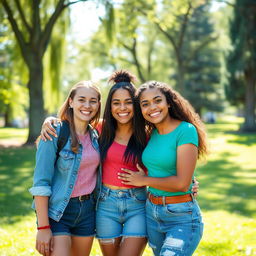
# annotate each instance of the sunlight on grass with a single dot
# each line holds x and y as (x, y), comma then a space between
(226, 197)
(13, 135)
(227, 234)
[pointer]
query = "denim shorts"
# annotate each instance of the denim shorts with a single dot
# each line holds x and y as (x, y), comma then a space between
(78, 219)
(174, 229)
(121, 212)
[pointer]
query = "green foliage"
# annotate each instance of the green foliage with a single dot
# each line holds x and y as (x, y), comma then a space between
(109, 21)
(135, 45)
(174, 42)
(13, 94)
(243, 54)
(54, 61)
(187, 26)
(202, 67)
(242, 60)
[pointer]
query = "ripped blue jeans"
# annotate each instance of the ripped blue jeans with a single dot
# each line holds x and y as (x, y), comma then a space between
(174, 229)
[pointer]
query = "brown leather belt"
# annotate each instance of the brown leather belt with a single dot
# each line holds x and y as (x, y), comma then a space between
(82, 198)
(169, 199)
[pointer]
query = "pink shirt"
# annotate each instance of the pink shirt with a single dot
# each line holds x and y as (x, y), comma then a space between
(113, 163)
(87, 173)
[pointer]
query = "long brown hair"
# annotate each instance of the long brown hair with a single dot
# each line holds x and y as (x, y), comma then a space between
(123, 79)
(66, 113)
(180, 109)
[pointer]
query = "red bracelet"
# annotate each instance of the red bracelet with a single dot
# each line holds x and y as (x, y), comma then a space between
(43, 227)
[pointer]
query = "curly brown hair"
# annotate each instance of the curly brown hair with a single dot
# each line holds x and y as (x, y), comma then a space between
(180, 109)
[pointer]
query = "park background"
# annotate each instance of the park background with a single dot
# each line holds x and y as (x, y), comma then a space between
(204, 49)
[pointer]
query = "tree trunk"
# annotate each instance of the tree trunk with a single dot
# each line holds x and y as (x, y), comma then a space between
(36, 101)
(249, 123)
(7, 117)
(181, 82)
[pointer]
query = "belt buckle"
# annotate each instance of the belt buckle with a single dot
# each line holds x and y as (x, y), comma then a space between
(84, 197)
(80, 198)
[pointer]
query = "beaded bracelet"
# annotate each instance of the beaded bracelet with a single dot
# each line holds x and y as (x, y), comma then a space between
(43, 227)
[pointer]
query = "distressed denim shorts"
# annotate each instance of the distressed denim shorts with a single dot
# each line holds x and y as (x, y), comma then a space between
(78, 219)
(174, 229)
(121, 213)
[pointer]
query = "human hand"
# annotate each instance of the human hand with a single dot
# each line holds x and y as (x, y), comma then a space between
(44, 242)
(195, 187)
(48, 128)
(133, 178)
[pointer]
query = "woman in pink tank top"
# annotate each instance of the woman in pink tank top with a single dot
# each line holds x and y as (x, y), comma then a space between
(120, 216)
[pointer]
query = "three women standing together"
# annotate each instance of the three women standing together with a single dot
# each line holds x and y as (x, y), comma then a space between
(167, 142)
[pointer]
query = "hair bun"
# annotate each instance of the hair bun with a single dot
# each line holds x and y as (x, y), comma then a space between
(122, 76)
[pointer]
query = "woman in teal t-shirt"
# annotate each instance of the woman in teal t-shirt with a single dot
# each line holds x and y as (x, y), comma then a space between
(174, 221)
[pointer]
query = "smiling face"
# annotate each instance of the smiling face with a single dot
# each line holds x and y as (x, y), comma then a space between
(85, 104)
(122, 106)
(154, 106)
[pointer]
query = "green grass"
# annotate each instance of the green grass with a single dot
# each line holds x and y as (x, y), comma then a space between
(227, 194)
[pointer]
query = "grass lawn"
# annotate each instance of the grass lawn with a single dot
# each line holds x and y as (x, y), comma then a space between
(227, 194)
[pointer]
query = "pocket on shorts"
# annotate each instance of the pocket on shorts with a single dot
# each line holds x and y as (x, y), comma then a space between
(179, 209)
(103, 196)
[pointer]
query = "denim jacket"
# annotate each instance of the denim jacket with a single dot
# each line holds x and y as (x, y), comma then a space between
(57, 180)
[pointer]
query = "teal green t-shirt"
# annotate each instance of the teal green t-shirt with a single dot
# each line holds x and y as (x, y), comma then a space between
(160, 153)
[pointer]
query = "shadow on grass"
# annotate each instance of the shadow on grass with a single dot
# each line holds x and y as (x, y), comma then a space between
(224, 186)
(215, 129)
(16, 173)
(248, 139)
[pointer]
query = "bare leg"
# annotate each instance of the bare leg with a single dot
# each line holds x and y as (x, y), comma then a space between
(132, 246)
(61, 246)
(81, 246)
(110, 247)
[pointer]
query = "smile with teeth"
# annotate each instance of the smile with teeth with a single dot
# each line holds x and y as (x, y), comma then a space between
(85, 112)
(123, 114)
(154, 114)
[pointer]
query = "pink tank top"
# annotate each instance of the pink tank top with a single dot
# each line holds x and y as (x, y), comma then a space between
(113, 163)
(87, 173)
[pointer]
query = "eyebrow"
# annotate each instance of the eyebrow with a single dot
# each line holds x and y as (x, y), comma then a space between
(153, 98)
(124, 99)
(83, 97)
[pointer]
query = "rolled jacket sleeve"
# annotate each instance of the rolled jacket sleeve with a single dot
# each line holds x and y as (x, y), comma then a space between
(44, 169)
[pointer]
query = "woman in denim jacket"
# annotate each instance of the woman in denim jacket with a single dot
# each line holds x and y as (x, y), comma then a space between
(63, 185)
